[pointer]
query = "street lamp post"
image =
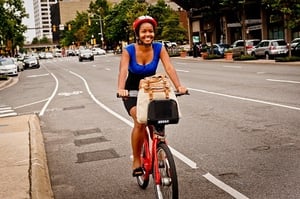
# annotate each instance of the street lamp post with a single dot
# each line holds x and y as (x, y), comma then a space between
(100, 25)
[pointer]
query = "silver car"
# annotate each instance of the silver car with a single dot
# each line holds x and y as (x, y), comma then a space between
(86, 54)
(8, 67)
(270, 48)
(238, 46)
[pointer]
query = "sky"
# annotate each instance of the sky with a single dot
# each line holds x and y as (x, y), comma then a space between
(29, 22)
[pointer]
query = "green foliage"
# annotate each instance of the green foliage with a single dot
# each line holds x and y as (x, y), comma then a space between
(289, 10)
(213, 56)
(117, 22)
(287, 59)
(244, 58)
(11, 27)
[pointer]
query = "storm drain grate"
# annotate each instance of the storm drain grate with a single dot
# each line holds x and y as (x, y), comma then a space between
(86, 131)
(85, 141)
(73, 107)
(96, 155)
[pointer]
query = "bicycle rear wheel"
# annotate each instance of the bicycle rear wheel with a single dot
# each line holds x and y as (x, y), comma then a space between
(168, 187)
(143, 180)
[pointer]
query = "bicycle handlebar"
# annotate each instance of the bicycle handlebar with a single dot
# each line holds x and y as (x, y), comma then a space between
(134, 93)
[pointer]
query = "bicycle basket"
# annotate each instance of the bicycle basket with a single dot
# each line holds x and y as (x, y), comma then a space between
(163, 112)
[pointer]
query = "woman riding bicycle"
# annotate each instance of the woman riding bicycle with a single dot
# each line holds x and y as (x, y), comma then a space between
(140, 60)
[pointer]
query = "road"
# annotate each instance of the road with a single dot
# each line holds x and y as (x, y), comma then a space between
(238, 137)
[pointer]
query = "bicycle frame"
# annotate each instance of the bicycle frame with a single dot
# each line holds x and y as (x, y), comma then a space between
(150, 155)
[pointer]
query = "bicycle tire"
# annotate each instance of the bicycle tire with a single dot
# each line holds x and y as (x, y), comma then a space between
(143, 180)
(168, 187)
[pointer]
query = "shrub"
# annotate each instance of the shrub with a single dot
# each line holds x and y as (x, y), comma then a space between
(3, 77)
(245, 57)
(213, 56)
(287, 59)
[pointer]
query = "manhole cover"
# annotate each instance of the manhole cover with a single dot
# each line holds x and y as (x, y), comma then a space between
(72, 108)
(85, 141)
(86, 131)
(261, 148)
(97, 155)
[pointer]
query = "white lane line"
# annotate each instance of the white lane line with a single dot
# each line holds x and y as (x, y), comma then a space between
(51, 97)
(180, 156)
(284, 81)
(231, 66)
(247, 99)
(184, 71)
(37, 102)
(224, 186)
(183, 158)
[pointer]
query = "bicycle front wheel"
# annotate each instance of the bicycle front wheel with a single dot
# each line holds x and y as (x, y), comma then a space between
(168, 186)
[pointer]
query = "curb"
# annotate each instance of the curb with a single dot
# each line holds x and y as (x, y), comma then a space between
(40, 185)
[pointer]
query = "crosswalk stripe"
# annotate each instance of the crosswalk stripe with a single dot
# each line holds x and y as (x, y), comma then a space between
(9, 114)
(6, 111)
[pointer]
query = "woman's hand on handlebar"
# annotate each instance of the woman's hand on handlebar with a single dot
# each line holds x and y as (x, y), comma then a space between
(122, 93)
(182, 90)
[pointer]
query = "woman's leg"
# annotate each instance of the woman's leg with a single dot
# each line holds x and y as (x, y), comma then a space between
(137, 139)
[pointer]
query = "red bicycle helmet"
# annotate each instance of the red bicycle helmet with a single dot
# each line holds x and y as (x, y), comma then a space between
(143, 19)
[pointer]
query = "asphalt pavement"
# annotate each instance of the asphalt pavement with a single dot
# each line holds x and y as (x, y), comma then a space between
(23, 163)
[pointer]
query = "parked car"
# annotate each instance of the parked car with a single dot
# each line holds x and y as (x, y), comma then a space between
(98, 51)
(219, 49)
(85, 54)
(270, 48)
(294, 42)
(19, 63)
(238, 46)
(167, 44)
(57, 53)
(8, 67)
(295, 50)
(42, 55)
(48, 55)
(31, 62)
(71, 52)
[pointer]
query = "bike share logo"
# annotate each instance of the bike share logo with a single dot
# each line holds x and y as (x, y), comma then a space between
(163, 121)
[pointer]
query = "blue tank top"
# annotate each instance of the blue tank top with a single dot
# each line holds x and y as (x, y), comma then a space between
(147, 69)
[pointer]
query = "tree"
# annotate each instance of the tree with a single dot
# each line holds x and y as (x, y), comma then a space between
(79, 31)
(11, 27)
(289, 13)
(172, 30)
(239, 7)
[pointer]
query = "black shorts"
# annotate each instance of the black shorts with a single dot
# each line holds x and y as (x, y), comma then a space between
(129, 103)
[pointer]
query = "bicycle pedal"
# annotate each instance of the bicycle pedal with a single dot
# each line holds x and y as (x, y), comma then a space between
(166, 181)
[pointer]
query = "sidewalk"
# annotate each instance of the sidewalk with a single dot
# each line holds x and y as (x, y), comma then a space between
(23, 164)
